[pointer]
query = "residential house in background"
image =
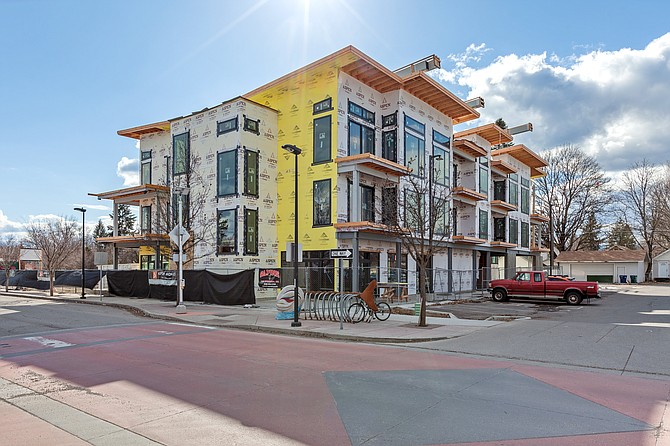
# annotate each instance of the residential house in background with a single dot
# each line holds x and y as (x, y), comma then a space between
(612, 266)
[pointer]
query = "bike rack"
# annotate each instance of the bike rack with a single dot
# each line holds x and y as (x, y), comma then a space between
(328, 305)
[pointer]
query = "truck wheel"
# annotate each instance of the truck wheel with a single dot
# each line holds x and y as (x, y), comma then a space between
(499, 295)
(573, 298)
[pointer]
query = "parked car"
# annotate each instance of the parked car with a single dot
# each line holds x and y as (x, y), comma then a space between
(535, 285)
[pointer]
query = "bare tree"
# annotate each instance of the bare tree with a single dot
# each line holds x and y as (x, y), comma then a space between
(9, 255)
(57, 239)
(663, 203)
(200, 225)
(422, 226)
(642, 200)
(575, 187)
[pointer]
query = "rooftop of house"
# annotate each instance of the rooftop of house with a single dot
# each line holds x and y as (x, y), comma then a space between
(624, 255)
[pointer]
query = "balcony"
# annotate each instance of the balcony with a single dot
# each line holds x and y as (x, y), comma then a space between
(502, 207)
(467, 240)
(538, 249)
(538, 219)
(526, 156)
(503, 244)
(371, 165)
(361, 226)
(461, 193)
(469, 148)
(502, 167)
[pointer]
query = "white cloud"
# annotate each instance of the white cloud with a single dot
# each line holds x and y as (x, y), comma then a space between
(95, 207)
(8, 227)
(614, 104)
(127, 169)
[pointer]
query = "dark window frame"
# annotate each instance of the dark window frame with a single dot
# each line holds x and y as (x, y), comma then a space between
(390, 120)
(414, 125)
(250, 213)
(483, 229)
(145, 178)
(421, 155)
(363, 139)
(316, 222)
(145, 219)
(445, 163)
(371, 211)
(513, 231)
(322, 106)
(247, 190)
(234, 250)
(328, 138)
(441, 139)
(249, 125)
(222, 128)
(219, 172)
(390, 153)
(525, 235)
(187, 153)
(360, 112)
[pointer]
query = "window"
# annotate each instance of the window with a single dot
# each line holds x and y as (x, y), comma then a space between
(146, 172)
(483, 224)
(361, 139)
(390, 206)
(145, 219)
(226, 234)
(397, 274)
(441, 209)
(251, 125)
(413, 210)
(514, 231)
(499, 190)
(229, 125)
(322, 139)
(185, 206)
(523, 277)
(439, 138)
(251, 173)
(454, 221)
(484, 180)
(413, 124)
(389, 120)
(537, 277)
(499, 229)
(414, 153)
(525, 200)
(525, 240)
(368, 203)
(358, 111)
(513, 190)
(390, 145)
(322, 212)
(227, 173)
(322, 106)
(180, 153)
(440, 165)
(250, 231)
(525, 182)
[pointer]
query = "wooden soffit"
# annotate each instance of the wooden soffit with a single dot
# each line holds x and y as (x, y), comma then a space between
(432, 93)
(470, 148)
(466, 239)
(503, 167)
(373, 162)
(132, 195)
(490, 132)
(524, 155)
(138, 132)
(136, 240)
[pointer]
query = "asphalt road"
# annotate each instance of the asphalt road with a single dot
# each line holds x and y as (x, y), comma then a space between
(626, 332)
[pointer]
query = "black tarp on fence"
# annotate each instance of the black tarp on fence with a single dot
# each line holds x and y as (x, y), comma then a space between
(200, 285)
(28, 279)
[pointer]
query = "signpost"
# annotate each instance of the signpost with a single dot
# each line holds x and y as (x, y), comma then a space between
(341, 254)
(179, 235)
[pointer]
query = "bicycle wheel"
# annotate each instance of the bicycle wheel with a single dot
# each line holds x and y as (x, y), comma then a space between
(383, 311)
(356, 313)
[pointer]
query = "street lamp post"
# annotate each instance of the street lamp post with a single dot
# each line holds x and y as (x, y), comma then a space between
(83, 249)
(296, 151)
(551, 239)
(182, 191)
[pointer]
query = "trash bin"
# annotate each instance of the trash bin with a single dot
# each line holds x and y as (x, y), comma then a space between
(622, 278)
(633, 278)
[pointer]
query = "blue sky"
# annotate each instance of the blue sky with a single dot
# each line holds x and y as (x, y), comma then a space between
(591, 73)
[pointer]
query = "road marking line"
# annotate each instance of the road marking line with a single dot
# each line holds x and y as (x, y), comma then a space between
(193, 325)
(647, 324)
(53, 343)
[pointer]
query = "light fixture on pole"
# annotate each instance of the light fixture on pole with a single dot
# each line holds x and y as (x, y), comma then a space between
(83, 249)
(551, 237)
(296, 151)
(182, 236)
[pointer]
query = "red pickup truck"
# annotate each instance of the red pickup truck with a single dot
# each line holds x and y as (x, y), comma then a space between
(534, 285)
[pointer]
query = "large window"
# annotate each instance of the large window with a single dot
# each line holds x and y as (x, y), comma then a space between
(226, 234)
(322, 139)
(525, 235)
(513, 189)
(251, 173)
(413, 124)
(361, 139)
(180, 153)
(413, 209)
(360, 112)
(439, 138)
(227, 173)
(390, 206)
(390, 145)
(483, 224)
(525, 200)
(414, 153)
(514, 231)
(441, 209)
(145, 219)
(146, 172)
(322, 211)
(229, 125)
(368, 203)
(250, 231)
(440, 165)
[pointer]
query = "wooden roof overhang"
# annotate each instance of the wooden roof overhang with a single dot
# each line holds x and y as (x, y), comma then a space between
(432, 93)
(524, 155)
(132, 195)
(467, 240)
(538, 218)
(372, 162)
(138, 132)
(460, 192)
(535, 248)
(503, 167)
(490, 132)
(502, 244)
(469, 148)
(136, 240)
(502, 206)
(361, 226)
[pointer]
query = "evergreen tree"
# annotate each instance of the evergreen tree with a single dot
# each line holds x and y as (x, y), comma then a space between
(620, 234)
(590, 239)
(126, 220)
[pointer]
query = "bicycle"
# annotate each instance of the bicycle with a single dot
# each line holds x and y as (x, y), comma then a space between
(360, 311)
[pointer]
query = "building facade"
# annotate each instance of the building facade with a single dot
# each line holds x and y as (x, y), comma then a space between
(367, 135)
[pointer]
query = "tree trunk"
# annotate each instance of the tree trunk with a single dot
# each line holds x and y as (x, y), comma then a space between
(51, 282)
(422, 295)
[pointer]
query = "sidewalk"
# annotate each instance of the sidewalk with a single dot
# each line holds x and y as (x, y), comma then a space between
(398, 328)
